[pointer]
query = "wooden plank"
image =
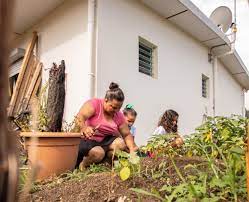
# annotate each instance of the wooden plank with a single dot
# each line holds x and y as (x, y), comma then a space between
(20, 103)
(24, 85)
(37, 85)
(31, 74)
(32, 85)
(25, 62)
(33, 101)
(9, 88)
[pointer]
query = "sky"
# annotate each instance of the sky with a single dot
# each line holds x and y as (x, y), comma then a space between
(242, 41)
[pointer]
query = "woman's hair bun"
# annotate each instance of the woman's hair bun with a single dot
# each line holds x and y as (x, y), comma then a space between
(113, 86)
(114, 92)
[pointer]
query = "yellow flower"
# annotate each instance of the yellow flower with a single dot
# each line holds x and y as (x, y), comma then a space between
(208, 136)
(189, 154)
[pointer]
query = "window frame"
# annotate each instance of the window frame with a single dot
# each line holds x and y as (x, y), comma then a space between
(147, 66)
(204, 86)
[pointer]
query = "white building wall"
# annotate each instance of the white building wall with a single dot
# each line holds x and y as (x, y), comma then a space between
(63, 36)
(229, 94)
(181, 63)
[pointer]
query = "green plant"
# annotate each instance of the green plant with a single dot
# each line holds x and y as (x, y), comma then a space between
(97, 168)
(160, 145)
(72, 126)
(23, 174)
(221, 143)
(42, 110)
(127, 164)
(25, 183)
(76, 175)
(38, 119)
(226, 133)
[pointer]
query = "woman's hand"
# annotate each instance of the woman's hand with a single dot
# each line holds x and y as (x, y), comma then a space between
(87, 132)
(128, 138)
(86, 111)
(133, 149)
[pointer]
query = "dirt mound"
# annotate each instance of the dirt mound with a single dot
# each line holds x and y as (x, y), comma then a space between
(97, 187)
(107, 186)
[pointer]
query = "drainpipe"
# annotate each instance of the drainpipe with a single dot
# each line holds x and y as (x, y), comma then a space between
(243, 103)
(214, 71)
(214, 59)
(92, 4)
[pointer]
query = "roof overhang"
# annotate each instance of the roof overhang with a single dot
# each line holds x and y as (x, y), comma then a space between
(28, 12)
(185, 15)
(237, 68)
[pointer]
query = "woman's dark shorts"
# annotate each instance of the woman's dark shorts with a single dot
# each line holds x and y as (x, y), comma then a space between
(86, 145)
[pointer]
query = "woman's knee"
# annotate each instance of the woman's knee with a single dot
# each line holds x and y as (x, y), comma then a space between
(118, 144)
(96, 154)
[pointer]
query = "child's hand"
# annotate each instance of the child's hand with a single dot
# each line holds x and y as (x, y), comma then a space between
(179, 141)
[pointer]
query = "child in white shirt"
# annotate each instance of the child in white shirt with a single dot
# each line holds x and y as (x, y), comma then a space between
(168, 124)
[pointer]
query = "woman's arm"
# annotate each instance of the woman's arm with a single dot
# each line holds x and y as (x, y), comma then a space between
(129, 140)
(86, 111)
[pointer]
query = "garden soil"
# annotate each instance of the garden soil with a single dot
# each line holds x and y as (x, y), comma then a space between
(107, 186)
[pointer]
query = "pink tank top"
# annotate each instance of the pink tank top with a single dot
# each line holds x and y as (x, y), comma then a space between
(104, 127)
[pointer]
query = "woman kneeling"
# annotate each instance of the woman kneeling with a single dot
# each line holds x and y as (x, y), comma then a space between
(101, 124)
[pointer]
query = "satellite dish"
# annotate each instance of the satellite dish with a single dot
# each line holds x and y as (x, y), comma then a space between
(222, 17)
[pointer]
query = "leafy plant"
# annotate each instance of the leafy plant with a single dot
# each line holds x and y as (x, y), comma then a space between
(221, 140)
(71, 126)
(226, 133)
(221, 143)
(42, 110)
(97, 168)
(38, 119)
(160, 145)
(23, 174)
(127, 164)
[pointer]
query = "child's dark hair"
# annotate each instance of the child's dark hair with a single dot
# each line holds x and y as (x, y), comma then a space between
(129, 110)
(167, 119)
(114, 92)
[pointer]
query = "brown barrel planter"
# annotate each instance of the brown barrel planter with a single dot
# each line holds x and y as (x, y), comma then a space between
(51, 153)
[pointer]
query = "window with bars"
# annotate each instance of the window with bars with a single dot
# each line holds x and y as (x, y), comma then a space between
(205, 84)
(146, 57)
